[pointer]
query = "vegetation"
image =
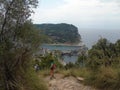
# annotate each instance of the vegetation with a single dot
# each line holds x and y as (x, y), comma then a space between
(19, 40)
(44, 62)
(101, 67)
(104, 54)
(104, 61)
(61, 33)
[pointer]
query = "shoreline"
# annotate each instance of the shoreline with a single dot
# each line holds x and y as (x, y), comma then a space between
(80, 44)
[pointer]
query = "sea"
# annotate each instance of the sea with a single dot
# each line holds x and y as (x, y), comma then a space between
(91, 36)
(64, 48)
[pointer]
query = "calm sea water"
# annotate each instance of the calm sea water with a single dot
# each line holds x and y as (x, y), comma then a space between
(66, 58)
(60, 47)
(91, 36)
(72, 59)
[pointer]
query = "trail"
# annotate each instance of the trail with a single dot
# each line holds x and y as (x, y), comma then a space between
(66, 83)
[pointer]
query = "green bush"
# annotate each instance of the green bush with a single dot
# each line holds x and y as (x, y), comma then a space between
(45, 62)
(31, 81)
(106, 79)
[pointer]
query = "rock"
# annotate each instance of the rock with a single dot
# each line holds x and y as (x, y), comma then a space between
(80, 79)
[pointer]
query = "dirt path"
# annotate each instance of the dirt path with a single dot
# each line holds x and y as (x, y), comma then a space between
(66, 83)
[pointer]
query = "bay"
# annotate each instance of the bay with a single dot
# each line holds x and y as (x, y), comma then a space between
(64, 48)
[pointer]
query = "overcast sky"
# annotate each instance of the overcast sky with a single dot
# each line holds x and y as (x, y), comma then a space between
(98, 14)
(94, 18)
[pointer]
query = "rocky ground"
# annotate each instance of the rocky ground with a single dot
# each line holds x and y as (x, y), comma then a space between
(66, 83)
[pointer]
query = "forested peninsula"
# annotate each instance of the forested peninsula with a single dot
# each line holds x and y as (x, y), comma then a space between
(60, 33)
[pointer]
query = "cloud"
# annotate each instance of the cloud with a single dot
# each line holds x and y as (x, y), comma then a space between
(118, 1)
(83, 12)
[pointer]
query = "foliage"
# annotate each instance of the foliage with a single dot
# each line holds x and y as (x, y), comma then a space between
(102, 66)
(76, 72)
(82, 60)
(104, 53)
(60, 33)
(17, 55)
(31, 81)
(19, 40)
(106, 79)
(69, 65)
(104, 63)
(44, 62)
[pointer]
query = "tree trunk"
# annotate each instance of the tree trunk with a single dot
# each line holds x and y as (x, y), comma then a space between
(9, 79)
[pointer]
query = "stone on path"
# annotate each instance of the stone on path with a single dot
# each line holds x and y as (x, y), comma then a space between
(66, 83)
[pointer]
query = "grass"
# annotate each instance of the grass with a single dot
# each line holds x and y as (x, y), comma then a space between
(44, 73)
(32, 81)
(106, 78)
(29, 81)
(81, 72)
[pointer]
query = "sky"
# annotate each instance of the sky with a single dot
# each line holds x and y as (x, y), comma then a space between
(87, 15)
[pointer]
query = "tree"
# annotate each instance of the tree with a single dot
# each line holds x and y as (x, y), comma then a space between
(117, 47)
(18, 40)
(82, 59)
(103, 51)
(61, 33)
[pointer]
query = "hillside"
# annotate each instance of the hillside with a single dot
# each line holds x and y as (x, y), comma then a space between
(61, 33)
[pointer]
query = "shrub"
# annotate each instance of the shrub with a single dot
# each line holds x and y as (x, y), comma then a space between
(106, 78)
(31, 81)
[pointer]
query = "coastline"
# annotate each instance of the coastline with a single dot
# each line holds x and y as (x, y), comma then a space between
(61, 44)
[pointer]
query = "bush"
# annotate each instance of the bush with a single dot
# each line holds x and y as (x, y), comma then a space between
(106, 79)
(76, 72)
(31, 81)
(45, 61)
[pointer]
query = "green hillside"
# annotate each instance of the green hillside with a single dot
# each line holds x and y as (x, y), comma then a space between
(61, 33)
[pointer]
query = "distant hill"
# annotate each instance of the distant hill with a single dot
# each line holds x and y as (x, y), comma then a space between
(61, 33)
